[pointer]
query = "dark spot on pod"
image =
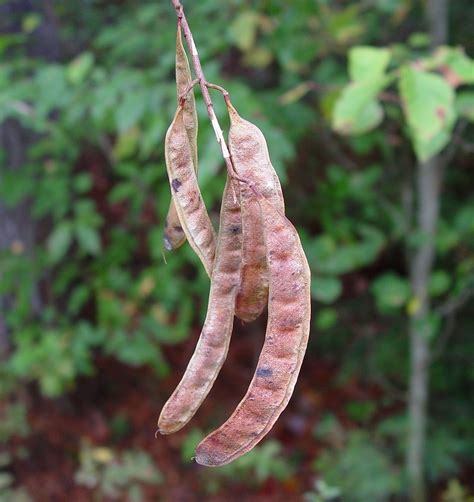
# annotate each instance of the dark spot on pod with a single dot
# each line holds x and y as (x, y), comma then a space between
(235, 229)
(176, 184)
(178, 228)
(264, 372)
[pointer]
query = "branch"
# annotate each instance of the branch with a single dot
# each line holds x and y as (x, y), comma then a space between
(456, 140)
(455, 304)
(450, 310)
(203, 85)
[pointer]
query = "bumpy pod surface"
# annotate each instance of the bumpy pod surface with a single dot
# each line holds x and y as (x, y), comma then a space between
(289, 311)
(186, 194)
(252, 161)
(173, 234)
(213, 344)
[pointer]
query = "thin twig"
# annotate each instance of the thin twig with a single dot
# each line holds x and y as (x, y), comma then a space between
(451, 150)
(455, 304)
(219, 88)
(184, 95)
(335, 149)
(450, 310)
(444, 337)
(203, 84)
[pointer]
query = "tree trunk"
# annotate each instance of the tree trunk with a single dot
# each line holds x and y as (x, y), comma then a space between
(17, 227)
(429, 181)
(428, 190)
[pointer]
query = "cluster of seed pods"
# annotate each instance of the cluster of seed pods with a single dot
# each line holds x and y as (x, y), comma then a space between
(256, 261)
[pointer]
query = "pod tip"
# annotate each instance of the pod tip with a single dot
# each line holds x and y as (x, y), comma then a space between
(167, 244)
(208, 458)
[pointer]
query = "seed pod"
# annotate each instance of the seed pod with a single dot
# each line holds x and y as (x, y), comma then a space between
(252, 161)
(211, 349)
(173, 235)
(282, 353)
(186, 194)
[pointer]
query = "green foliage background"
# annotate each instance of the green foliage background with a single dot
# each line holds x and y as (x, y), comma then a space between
(95, 182)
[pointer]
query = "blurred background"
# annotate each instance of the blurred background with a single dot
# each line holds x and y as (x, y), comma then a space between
(368, 109)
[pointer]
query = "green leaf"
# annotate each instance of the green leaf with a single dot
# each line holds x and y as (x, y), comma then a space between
(428, 326)
(419, 40)
(88, 238)
(366, 63)
(79, 296)
(59, 241)
(127, 143)
(356, 110)
(78, 69)
(325, 289)
(439, 283)
(428, 103)
(82, 182)
(391, 291)
(122, 191)
(30, 22)
(130, 110)
(243, 29)
(326, 318)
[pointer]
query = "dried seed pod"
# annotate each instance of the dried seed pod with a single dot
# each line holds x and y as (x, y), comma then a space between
(282, 353)
(173, 234)
(211, 349)
(186, 194)
(252, 161)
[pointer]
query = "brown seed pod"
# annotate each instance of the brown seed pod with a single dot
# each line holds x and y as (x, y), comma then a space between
(286, 338)
(173, 234)
(211, 349)
(186, 194)
(251, 160)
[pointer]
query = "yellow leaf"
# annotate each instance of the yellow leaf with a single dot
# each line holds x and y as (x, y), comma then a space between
(413, 306)
(258, 57)
(159, 314)
(102, 455)
(146, 286)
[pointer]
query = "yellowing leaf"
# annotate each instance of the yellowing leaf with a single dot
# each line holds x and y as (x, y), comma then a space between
(428, 103)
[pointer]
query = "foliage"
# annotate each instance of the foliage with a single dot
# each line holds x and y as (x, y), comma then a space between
(13, 421)
(7, 491)
(322, 492)
(456, 492)
(376, 478)
(263, 462)
(348, 109)
(427, 97)
(112, 475)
